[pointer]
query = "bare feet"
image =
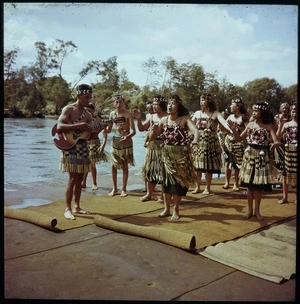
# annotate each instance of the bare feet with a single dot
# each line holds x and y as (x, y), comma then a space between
(206, 192)
(80, 211)
(145, 198)
(113, 192)
(225, 187)
(165, 213)
(123, 193)
(235, 188)
(95, 187)
(259, 217)
(248, 215)
(160, 200)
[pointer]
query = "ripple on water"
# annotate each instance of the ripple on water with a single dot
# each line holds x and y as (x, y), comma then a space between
(31, 202)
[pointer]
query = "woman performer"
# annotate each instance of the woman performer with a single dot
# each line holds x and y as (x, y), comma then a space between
(233, 149)
(178, 171)
(256, 170)
(207, 154)
(289, 130)
(152, 169)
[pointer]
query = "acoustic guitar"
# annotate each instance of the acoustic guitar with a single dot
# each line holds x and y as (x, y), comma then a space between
(67, 140)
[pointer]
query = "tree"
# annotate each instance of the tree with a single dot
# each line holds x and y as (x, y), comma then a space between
(151, 67)
(171, 73)
(188, 83)
(291, 93)
(42, 66)
(58, 52)
(265, 89)
(126, 85)
(9, 61)
(56, 93)
(10, 76)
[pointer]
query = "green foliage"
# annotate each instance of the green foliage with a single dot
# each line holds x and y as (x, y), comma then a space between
(265, 89)
(30, 89)
(57, 94)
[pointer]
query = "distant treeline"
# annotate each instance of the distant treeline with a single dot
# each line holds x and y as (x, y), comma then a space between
(31, 92)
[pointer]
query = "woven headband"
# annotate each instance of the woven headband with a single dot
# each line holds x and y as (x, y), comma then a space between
(118, 97)
(237, 101)
(158, 99)
(84, 92)
(263, 107)
(175, 98)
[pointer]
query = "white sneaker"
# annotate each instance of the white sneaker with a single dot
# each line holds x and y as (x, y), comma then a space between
(68, 215)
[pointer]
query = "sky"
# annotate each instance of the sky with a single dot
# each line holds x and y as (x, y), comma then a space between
(240, 43)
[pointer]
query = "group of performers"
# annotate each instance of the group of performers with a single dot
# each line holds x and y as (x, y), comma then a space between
(180, 147)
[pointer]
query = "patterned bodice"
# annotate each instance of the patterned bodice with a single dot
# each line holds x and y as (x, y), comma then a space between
(291, 134)
(174, 135)
(204, 122)
(258, 136)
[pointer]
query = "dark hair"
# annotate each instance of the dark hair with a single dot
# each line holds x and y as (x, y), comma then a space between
(240, 104)
(266, 116)
(211, 104)
(117, 97)
(182, 110)
(161, 101)
(84, 89)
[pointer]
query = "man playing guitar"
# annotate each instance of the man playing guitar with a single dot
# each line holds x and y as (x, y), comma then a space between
(76, 160)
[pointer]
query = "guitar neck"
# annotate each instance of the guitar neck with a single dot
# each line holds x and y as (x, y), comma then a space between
(98, 123)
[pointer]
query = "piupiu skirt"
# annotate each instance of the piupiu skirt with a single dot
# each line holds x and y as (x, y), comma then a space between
(178, 170)
(256, 170)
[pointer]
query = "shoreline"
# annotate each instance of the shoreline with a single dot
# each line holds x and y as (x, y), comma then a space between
(44, 192)
(23, 195)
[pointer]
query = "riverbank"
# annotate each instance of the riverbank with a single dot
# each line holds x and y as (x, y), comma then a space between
(115, 266)
(38, 193)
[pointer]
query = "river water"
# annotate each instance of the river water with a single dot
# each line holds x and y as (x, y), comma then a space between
(30, 155)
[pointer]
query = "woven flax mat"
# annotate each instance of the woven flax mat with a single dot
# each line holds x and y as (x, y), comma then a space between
(269, 254)
(211, 219)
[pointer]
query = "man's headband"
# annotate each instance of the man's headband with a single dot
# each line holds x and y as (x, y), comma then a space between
(84, 91)
(261, 106)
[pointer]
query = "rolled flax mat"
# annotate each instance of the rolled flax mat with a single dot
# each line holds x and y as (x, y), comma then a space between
(33, 217)
(174, 238)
